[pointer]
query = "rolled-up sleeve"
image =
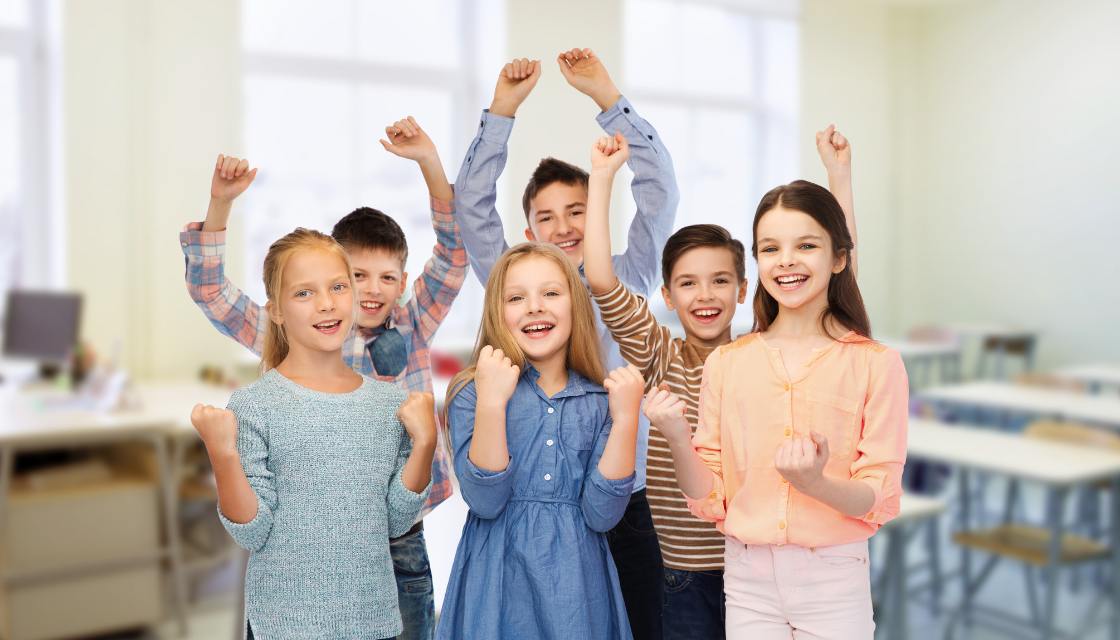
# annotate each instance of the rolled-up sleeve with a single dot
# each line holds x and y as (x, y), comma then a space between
(252, 448)
(604, 500)
(881, 448)
(485, 492)
(707, 441)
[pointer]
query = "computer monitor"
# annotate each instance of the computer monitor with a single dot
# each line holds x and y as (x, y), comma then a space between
(41, 325)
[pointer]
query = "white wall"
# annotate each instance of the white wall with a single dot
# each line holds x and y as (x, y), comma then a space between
(151, 91)
(1009, 207)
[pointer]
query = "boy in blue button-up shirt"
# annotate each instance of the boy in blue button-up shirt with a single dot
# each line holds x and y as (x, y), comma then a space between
(554, 203)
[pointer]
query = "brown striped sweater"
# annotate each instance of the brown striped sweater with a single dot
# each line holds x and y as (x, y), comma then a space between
(687, 543)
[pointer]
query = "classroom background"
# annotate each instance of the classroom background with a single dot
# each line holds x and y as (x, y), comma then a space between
(985, 147)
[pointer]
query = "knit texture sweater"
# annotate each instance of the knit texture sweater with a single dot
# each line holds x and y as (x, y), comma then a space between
(326, 468)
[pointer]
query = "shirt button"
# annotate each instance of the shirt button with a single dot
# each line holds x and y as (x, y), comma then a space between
(626, 110)
(785, 386)
(650, 137)
(789, 432)
(551, 410)
(548, 476)
(782, 525)
(548, 442)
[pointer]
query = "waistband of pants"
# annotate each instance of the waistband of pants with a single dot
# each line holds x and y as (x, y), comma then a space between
(416, 528)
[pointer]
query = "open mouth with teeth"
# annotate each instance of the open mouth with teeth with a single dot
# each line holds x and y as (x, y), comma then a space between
(328, 327)
(537, 329)
(569, 245)
(792, 281)
(370, 307)
(706, 315)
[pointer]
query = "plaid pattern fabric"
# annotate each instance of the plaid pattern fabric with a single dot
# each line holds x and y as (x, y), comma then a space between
(234, 314)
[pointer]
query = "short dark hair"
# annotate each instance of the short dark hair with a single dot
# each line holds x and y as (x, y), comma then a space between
(550, 171)
(366, 228)
(701, 235)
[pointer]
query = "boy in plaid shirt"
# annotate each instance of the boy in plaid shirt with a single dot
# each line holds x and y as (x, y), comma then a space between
(391, 341)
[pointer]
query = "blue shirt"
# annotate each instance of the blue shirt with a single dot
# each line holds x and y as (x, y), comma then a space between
(533, 560)
(655, 193)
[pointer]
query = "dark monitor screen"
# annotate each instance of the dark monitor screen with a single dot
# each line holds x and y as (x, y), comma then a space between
(41, 325)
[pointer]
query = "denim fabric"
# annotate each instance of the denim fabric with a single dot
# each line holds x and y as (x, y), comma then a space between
(693, 605)
(414, 586)
(637, 557)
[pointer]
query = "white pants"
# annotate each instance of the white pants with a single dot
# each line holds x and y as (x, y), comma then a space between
(778, 592)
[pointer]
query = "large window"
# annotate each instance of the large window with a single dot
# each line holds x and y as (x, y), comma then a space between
(28, 234)
(321, 82)
(725, 102)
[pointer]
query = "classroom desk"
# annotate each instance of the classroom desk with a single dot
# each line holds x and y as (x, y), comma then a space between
(1094, 376)
(1059, 468)
(40, 419)
(981, 332)
(1058, 404)
(916, 510)
(920, 358)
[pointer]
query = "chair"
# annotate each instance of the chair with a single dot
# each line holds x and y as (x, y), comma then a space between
(997, 348)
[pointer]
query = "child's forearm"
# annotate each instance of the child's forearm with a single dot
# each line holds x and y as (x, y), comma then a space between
(217, 215)
(597, 235)
(849, 497)
(693, 476)
(436, 179)
(841, 187)
(489, 450)
(236, 497)
(417, 472)
(617, 461)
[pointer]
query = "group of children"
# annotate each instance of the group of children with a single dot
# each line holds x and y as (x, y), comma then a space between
(743, 513)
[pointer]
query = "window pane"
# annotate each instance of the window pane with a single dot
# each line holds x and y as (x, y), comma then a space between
(11, 223)
(712, 49)
(13, 13)
(320, 29)
(780, 73)
(425, 34)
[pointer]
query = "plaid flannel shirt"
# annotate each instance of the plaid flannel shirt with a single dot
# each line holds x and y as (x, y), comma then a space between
(234, 314)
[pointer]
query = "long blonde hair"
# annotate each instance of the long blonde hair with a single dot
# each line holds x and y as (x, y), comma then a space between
(583, 345)
(275, 340)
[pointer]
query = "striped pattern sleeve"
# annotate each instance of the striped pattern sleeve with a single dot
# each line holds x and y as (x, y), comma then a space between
(642, 341)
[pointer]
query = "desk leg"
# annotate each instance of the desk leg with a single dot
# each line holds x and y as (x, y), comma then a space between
(966, 554)
(1055, 501)
(169, 481)
(7, 468)
(1114, 535)
(896, 565)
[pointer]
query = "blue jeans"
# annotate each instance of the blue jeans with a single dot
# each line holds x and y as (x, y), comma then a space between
(693, 605)
(637, 557)
(414, 586)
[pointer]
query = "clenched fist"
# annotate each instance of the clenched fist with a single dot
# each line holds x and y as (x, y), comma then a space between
(232, 177)
(495, 376)
(217, 428)
(801, 460)
(610, 153)
(417, 414)
(665, 411)
(624, 388)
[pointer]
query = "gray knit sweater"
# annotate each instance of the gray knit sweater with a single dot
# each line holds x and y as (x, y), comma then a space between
(326, 470)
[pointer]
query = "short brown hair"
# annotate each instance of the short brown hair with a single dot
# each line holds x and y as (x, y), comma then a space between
(550, 171)
(701, 235)
(366, 228)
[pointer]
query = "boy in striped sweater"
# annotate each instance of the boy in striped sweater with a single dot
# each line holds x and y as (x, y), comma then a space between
(704, 273)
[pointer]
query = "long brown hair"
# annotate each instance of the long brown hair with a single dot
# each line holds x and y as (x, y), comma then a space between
(583, 345)
(845, 304)
(275, 341)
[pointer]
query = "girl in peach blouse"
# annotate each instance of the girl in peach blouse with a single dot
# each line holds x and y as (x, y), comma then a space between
(802, 437)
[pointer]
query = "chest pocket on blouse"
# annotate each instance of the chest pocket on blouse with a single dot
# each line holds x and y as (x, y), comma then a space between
(577, 427)
(835, 417)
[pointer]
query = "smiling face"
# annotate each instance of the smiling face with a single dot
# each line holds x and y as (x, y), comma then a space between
(704, 289)
(315, 305)
(556, 215)
(796, 260)
(537, 308)
(379, 280)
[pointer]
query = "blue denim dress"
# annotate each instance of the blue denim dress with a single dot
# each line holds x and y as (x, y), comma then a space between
(533, 560)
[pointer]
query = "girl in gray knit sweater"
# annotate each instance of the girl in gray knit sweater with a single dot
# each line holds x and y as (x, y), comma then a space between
(317, 466)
